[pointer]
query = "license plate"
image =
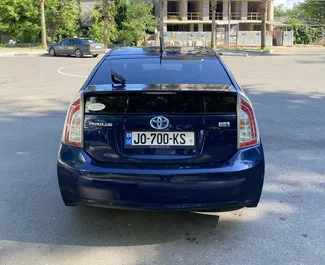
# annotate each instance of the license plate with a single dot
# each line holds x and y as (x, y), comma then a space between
(98, 47)
(159, 139)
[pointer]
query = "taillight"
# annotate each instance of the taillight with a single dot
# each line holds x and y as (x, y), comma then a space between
(247, 127)
(73, 124)
(89, 47)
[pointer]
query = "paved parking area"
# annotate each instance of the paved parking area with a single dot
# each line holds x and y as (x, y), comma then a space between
(288, 227)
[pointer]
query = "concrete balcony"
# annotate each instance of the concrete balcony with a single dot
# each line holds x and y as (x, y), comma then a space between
(235, 16)
(173, 15)
(254, 16)
(218, 16)
(194, 16)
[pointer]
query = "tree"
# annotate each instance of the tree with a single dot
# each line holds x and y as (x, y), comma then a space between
(139, 21)
(213, 27)
(120, 12)
(43, 25)
(20, 20)
(96, 30)
(281, 11)
(263, 4)
(63, 19)
(161, 24)
(313, 9)
(24, 20)
(106, 20)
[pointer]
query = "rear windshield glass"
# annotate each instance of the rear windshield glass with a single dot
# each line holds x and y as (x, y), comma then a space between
(148, 104)
(152, 71)
(87, 41)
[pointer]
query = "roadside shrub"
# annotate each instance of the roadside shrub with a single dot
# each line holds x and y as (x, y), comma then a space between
(304, 34)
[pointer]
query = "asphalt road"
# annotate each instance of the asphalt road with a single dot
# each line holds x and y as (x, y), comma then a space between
(288, 227)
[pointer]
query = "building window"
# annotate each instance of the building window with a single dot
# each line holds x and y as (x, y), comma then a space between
(253, 7)
(173, 10)
(257, 28)
(219, 11)
(177, 28)
(207, 27)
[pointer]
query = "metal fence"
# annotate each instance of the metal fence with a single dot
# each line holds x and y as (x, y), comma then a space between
(187, 38)
(287, 38)
(239, 38)
(253, 38)
(254, 16)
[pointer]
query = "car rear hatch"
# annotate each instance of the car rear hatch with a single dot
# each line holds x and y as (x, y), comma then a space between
(172, 124)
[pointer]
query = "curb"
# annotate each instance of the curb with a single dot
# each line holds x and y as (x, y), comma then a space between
(232, 53)
(262, 53)
(21, 54)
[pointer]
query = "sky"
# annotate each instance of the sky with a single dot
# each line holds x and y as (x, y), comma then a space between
(287, 3)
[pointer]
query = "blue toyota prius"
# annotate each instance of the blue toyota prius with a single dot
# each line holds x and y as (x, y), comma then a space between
(159, 129)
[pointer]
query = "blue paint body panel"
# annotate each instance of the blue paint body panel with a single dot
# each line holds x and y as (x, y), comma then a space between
(225, 186)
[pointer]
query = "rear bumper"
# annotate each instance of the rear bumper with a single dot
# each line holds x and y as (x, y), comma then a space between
(235, 184)
(93, 52)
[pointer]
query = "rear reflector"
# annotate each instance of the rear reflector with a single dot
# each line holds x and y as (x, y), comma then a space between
(73, 125)
(248, 132)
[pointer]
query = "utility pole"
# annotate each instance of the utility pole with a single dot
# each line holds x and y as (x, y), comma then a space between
(161, 22)
(264, 4)
(229, 18)
(105, 16)
(43, 26)
(213, 26)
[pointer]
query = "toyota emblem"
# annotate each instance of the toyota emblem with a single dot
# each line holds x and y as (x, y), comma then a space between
(159, 122)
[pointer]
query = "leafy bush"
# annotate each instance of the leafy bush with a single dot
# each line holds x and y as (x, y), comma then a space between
(304, 34)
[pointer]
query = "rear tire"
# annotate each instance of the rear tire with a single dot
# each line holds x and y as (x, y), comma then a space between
(78, 53)
(52, 52)
(95, 55)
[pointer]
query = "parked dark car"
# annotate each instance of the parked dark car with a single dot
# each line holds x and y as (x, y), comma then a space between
(161, 131)
(77, 47)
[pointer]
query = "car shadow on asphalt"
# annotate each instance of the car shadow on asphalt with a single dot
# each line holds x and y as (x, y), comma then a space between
(67, 56)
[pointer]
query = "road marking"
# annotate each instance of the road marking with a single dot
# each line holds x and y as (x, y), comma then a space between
(59, 71)
(23, 153)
